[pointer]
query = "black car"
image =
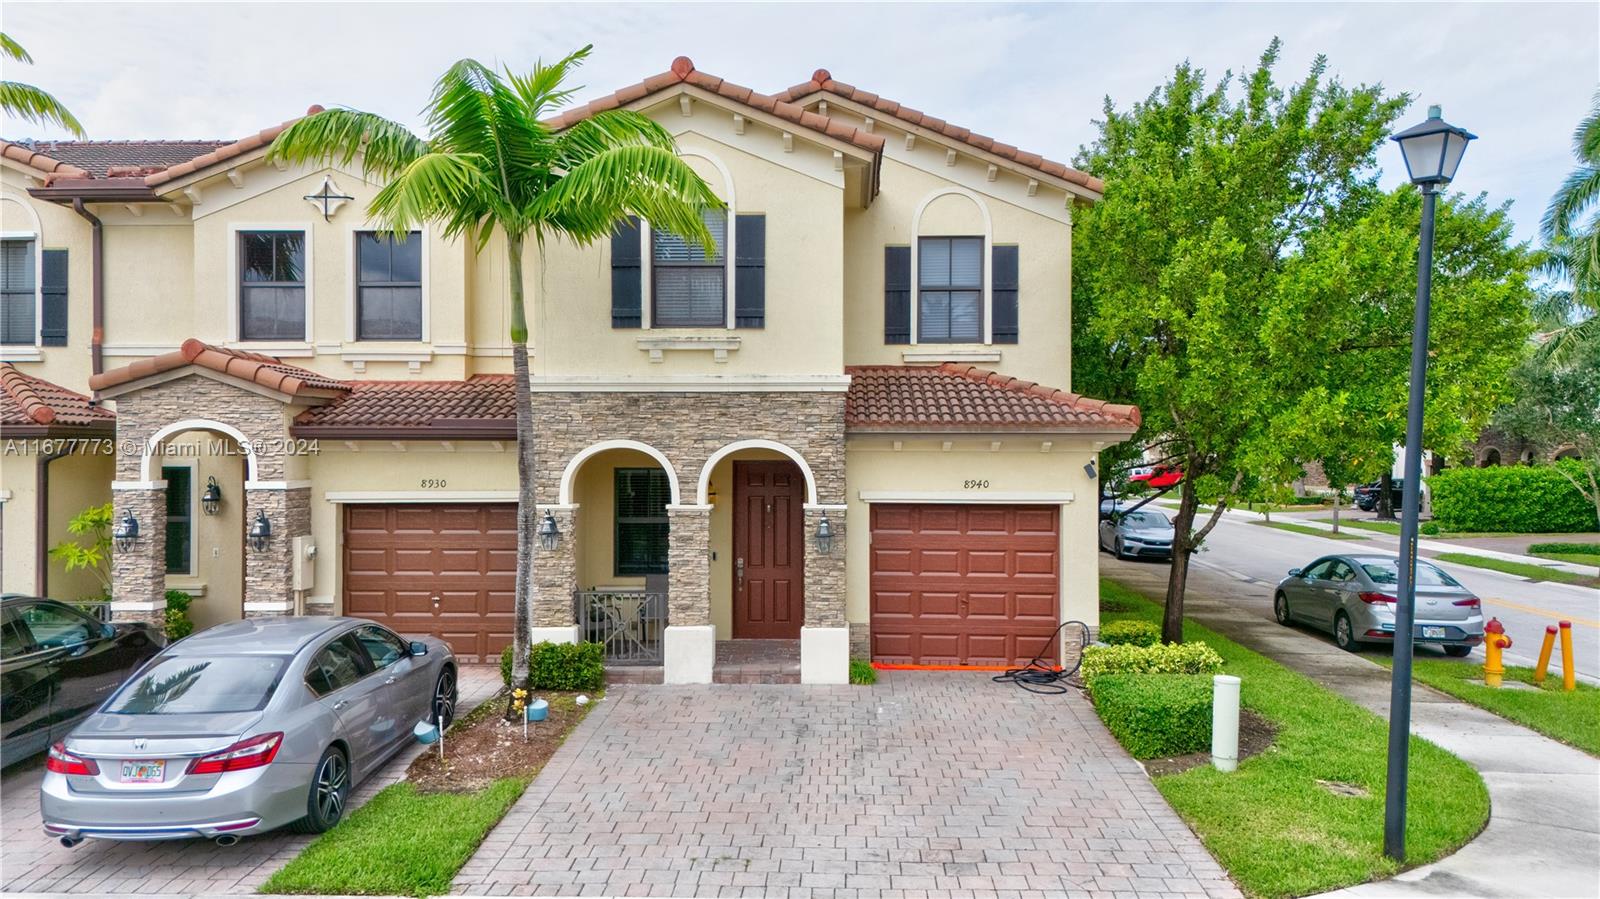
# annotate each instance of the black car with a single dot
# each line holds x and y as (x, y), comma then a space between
(1366, 495)
(57, 664)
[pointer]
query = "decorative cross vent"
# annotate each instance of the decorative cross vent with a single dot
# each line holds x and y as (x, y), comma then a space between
(328, 198)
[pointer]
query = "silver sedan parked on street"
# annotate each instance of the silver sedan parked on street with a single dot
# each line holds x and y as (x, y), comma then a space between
(243, 728)
(1142, 534)
(1354, 598)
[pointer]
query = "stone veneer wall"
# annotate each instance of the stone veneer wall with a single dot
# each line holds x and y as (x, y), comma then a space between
(140, 574)
(688, 567)
(269, 572)
(825, 583)
(555, 572)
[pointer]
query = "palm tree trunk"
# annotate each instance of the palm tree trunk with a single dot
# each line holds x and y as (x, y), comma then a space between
(527, 509)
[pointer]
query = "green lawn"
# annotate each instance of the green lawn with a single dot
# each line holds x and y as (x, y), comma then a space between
(1520, 569)
(1581, 553)
(1573, 718)
(1271, 824)
(1575, 558)
(1307, 529)
(1382, 527)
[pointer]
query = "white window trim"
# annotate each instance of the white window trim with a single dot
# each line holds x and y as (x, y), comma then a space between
(38, 279)
(988, 258)
(647, 286)
(194, 521)
(236, 288)
(352, 279)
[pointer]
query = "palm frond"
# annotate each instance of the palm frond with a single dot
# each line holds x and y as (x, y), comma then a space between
(611, 128)
(1572, 201)
(650, 182)
(452, 189)
(13, 50)
(1565, 345)
(24, 101)
(340, 135)
(541, 89)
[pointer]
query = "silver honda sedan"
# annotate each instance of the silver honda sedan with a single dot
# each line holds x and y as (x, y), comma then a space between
(1354, 598)
(243, 728)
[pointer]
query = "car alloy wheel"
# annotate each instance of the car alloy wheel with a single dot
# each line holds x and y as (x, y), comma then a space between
(1343, 634)
(1120, 552)
(1280, 608)
(444, 698)
(1458, 650)
(333, 781)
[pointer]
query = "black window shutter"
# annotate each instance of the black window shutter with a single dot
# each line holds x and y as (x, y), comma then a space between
(1005, 294)
(53, 283)
(896, 295)
(750, 271)
(626, 287)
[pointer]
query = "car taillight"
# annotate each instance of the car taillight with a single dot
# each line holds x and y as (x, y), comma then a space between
(1472, 603)
(252, 753)
(63, 762)
(1375, 598)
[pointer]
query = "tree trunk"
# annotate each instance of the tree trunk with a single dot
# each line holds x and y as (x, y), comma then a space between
(1178, 575)
(1336, 511)
(527, 508)
(1385, 501)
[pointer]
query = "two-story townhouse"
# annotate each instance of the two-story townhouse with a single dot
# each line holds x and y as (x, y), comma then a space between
(803, 436)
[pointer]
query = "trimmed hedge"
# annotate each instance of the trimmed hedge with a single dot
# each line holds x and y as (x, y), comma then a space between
(1155, 715)
(1163, 658)
(1133, 633)
(1566, 549)
(560, 666)
(1516, 498)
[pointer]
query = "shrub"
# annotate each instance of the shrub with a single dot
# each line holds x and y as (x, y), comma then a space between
(1156, 715)
(1309, 500)
(566, 666)
(1168, 658)
(1566, 549)
(178, 624)
(862, 673)
(1130, 632)
(505, 666)
(1429, 528)
(1516, 498)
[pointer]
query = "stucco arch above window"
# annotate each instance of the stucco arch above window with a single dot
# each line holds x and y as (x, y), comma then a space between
(569, 475)
(943, 217)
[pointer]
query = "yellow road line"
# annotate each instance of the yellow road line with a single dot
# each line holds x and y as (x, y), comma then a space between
(1553, 616)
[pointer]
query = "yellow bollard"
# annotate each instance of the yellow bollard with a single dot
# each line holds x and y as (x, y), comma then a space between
(1544, 654)
(1494, 640)
(1569, 675)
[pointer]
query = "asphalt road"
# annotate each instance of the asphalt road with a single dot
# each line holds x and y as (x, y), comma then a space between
(1254, 558)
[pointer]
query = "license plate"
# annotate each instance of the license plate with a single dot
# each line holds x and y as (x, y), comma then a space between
(1432, 633)
(144, 771)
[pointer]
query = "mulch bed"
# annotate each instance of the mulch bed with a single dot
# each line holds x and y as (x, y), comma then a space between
(483, 747)
(1255, 736)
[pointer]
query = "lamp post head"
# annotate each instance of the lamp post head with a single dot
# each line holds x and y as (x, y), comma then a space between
(1433, 150)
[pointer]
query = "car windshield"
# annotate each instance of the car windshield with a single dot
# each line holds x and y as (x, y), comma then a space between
(1389, 573)
(191, 685)
(1146, 520)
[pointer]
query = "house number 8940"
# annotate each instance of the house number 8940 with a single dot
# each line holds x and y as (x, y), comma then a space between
(975, 485)
(432, 482)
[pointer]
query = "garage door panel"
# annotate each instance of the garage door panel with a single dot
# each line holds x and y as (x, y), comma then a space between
(1035, 561)
(936, 561)
(1036, 521)
(989, 605)
(459, 560)
(1040, 607)
(990, 561)
(414, 561)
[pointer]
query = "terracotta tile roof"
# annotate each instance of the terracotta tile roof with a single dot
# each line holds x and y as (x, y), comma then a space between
(482, 407)
(124, 158)
(31, 406)
(225, 152)
(953, 397)
(684, 72)
(260, 369)
(823, 81)
(39, 162)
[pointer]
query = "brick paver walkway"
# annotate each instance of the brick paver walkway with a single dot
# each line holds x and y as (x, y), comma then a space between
(926, 786)
(31, 861)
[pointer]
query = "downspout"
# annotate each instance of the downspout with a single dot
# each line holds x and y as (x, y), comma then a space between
(41, 522)
(97, 308)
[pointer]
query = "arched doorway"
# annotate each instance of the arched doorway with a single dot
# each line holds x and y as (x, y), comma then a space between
(758, 491)
(1491, 458)
(203, 545)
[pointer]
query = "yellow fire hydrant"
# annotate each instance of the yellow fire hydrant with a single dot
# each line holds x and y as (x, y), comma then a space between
(1494, 640)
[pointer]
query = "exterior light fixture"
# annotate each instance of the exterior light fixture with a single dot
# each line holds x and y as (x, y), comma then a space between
(260, 532)
(211, 500)
(824, 535)
(126, 532)
(1091, 471)
(549, 531)
(1432, 151)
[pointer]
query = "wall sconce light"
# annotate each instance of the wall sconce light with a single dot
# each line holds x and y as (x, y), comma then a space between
(211, 500)
(260, 532)
(1090, 470)
(824, 535)
(126, 532)
(549, 531)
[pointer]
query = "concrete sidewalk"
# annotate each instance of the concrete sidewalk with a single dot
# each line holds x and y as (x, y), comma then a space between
(1543, 837)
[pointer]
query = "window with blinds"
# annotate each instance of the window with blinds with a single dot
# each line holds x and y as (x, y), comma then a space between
(18, 292)
(642, 495)
(689, 288)
(272, 285)
(950, 290)
(389, 286)
(180, 523)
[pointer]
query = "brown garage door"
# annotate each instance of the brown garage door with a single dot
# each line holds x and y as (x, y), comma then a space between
(964, 585)
(446, 570)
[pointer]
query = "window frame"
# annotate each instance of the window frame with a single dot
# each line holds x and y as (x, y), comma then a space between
(37, 240)
(980, 288)
(191, 519)
(423, 234)
(648, 257)
(618, 520)
(92, 629)
(236, 232)
(363, 663)
(405, 646)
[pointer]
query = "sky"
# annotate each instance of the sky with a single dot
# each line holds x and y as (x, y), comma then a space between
(1520, 74)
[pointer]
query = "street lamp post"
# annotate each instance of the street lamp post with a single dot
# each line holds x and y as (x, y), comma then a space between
(1432, 151)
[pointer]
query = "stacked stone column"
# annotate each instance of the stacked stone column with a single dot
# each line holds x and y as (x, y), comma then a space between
(555, 578)
(269, 571)
(139, 573)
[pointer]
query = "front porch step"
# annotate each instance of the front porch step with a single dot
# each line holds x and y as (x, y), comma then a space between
(725, 676)
(633, 674)
(757, 662)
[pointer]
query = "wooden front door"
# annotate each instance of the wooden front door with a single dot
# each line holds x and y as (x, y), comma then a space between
(768, 550)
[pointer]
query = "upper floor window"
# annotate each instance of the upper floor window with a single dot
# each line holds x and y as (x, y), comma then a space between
(18, 291)
(950, 290)
(272, 285)
(388, 286)
(689, 288)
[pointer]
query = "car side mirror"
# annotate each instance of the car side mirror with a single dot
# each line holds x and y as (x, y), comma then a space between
(419, 648)
(108, 631)
(1294, 572)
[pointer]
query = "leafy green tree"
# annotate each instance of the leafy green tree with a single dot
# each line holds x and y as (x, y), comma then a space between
(95, 557)
(24, 101)
(490, 166)
(1557, 407)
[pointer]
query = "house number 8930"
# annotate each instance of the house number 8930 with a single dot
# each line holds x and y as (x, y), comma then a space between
(432, 482)
(976, 485)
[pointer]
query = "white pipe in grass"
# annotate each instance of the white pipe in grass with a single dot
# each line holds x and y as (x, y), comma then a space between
(1225, 722)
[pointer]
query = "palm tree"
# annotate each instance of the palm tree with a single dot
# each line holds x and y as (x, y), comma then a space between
(490, 164)
(1572, 245)
(24, 101)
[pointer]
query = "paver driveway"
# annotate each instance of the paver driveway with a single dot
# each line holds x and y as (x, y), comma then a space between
(31, 861)
(927, 785)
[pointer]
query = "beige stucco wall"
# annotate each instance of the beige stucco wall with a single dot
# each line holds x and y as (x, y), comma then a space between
(217, 579)
(922, 467)
(18, 501)
(77, 481)
(58, 228)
